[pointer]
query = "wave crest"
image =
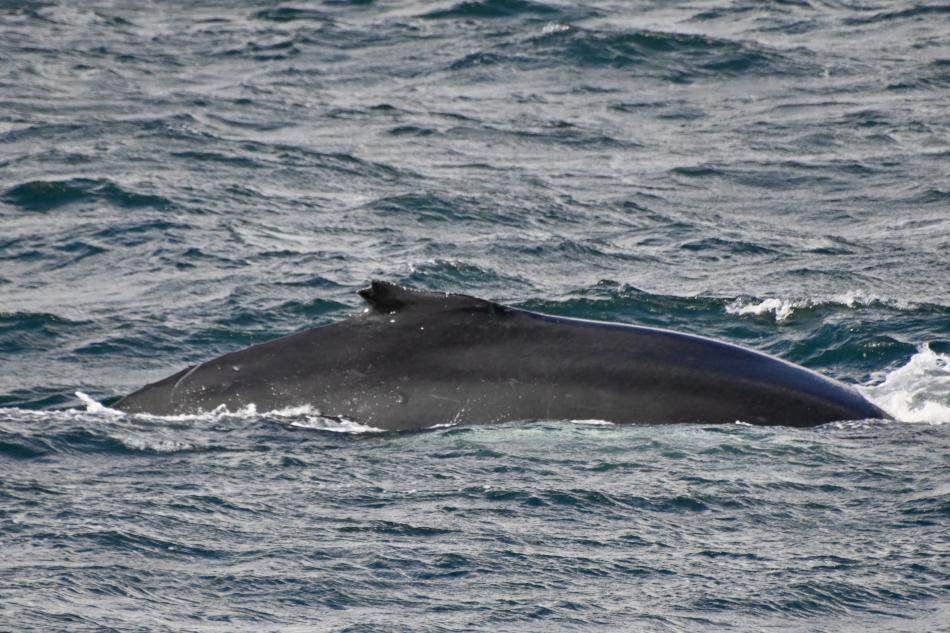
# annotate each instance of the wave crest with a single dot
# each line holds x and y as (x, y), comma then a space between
(783, 309)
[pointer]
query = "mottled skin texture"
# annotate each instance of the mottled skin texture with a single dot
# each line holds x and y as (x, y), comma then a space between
(417, 359)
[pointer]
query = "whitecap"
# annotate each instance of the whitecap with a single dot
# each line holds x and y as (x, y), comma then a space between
(158, 446)
(782, 308)
(555, 27)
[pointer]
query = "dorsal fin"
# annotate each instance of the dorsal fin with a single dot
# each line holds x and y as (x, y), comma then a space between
(386, 297)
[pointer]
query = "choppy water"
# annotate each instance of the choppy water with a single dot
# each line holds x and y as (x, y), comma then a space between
(180, 181)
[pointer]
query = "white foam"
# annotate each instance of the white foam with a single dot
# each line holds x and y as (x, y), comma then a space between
(917, 392)
(444, 425)
(301, 417)
(335, 425)
(307, 417)
(782, 309)
(159, 446)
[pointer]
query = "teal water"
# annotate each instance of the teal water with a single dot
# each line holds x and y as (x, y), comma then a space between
(179, 181)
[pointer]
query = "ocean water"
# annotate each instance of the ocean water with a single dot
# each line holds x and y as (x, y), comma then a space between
(179, 180)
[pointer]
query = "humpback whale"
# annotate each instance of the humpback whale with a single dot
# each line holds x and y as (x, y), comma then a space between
(417, 359)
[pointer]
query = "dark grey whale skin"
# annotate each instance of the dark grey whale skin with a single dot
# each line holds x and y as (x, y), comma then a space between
(417, 359)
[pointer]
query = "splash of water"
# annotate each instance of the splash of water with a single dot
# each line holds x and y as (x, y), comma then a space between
(94, 406)
(918, 391)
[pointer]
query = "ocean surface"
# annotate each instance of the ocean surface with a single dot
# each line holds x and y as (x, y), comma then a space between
(179, 180)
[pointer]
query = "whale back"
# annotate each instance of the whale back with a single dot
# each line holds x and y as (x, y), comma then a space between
(415, 359)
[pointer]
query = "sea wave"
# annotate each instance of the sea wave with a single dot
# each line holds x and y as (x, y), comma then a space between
(45, 195)
(669, 56)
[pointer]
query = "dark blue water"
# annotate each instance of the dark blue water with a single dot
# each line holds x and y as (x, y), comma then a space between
(178, 181)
